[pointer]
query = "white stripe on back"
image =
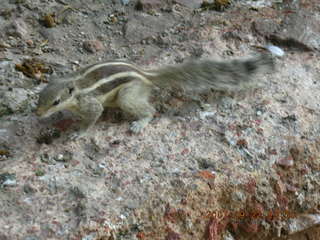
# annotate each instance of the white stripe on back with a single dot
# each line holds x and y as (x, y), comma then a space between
(95, 67)
(114, 77)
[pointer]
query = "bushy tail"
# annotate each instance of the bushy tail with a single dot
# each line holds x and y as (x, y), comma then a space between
(209, 74)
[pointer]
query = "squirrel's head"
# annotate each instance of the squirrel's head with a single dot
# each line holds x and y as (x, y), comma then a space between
(54, 97)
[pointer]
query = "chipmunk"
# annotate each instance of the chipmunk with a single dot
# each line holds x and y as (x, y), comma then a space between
(121, 84)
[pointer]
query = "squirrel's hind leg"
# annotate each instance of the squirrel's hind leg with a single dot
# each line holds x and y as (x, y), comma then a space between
(133, 98)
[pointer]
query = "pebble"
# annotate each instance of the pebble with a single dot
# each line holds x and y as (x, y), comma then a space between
(93, 46)
(286, 162)
(125, 2)
(275, 50)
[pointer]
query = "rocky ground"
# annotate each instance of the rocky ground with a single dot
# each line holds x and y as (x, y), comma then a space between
(236, 166)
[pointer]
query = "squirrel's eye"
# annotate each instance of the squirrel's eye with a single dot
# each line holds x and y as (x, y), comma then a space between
(56, 102)
(71, 90)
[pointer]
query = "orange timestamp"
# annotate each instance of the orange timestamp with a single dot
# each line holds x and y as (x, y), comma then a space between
(270, 215)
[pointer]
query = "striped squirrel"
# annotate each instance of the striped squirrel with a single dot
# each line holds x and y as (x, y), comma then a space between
(120, 84)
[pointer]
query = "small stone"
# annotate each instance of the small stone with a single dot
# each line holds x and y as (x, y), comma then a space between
(115, 143)
(286, 162)
(31, 238)
(206, 174)
(303, 222)
(147, 5)
(8, 179)
(242, 143)
(59, 157)
(172, 235)
(3, 237)
(93, 46)
(228, 236)
(280, 187)
(29, 42)
(46, 158)
(4, 153)
(40, 172)
(217, 5)
(125, 2)
(102, 165)
(132, 204)
(204, 115)
(28, 189)
(174, 102)
(291, 188)
(65, 157)
(272, 151)
(192, 4)
(251, 227)
(226, 103)
(275, 50)
(20, 131)
(49, 21)
(265, 27)
(292, 31)
(238, 196)
(48, 135)
(296, 152)
(4, 45)
(185, 151)
(49, 33)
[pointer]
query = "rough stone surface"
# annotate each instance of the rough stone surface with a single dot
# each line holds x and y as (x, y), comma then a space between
(147, 5)
(301, 31)
(145, 29)
(193, 4)
(15, 100)
(295, 28)
(18, 28)
(228, 166)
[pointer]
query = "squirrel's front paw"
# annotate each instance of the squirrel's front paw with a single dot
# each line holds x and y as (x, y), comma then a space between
(136, 127)
(77, 135)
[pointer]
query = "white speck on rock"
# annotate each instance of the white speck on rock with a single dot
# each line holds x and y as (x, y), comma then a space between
(275, 50)
(204, 115)
(9, 182)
